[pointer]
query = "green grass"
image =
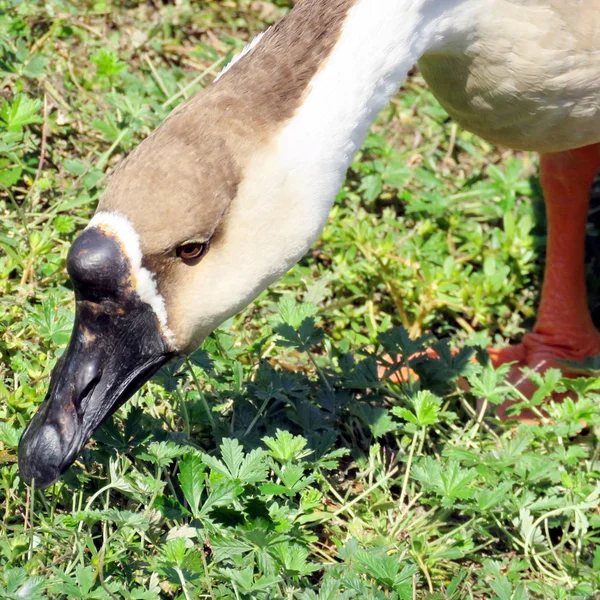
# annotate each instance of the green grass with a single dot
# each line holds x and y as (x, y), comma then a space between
(276, 463)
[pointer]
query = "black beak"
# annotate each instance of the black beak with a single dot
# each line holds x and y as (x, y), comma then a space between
(115, 347)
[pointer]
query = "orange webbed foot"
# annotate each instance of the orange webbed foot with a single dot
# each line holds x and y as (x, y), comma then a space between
(538, 353)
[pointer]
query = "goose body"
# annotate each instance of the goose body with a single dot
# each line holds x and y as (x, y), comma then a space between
(233, 188)
(526, 77)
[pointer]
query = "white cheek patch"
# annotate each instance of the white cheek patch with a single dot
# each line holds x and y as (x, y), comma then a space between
(145, 284)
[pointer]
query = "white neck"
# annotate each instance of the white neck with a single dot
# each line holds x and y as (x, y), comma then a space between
(380, 41)
(289, 186)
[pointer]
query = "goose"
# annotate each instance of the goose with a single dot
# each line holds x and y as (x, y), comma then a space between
(233, 188)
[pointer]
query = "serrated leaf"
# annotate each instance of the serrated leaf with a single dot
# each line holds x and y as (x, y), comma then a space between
(490, 498)
(14, 578)
(292, 476)
(107, 63)
(377, 419)
(371, 186)
(224, 547)
(273, 489)
(170, 508)
(224, 493)
(448, 480)
(162, 453)
(301, 338)
(285, 447)
(294, 557)
(426, 408)
(254, 467)
(32, 589)
(502, 588)
(293, 313)
(173, 552)
(85, 578)
(22, 111)
(361, 375)
(530, 534)
(35, 66)
(215, 465)
(488, 384)
(10, 435)
(233, 456)
(64, 224)
(191, 479)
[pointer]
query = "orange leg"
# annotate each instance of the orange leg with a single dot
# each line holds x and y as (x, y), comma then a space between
(564, 328)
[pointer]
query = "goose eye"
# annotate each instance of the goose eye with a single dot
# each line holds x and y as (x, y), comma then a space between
(192, 251)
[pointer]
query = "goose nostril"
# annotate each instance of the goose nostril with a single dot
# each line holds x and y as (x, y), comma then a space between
(87, 377)
(85, 393)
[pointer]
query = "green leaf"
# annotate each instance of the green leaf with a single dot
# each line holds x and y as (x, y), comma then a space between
(226, 547)
(224, 493)
(371, 186)
(76, 167)
(173, 552)
(377, 419)
(294, 313)
(426, 408)
(397, 342)
(292, 476)
(215, 465)
(360, 375)
(385, 568)
(107, 63)
(162, 453)
(85, 578)
(249, 468)
(10, 435)
(64, 224)
(14, 578)
(490, 498)
(10, 176)
(35, 66)
(254, 467)
(488, 385)
(502, 588)
(32, 589)
(233, 456)
(596, 559)
(286, 447)
(525, 525)
(302, 338)
(191, 478)
(448, 480)
(109, 127)
(273, 489)
(22, 111)
(294, 558)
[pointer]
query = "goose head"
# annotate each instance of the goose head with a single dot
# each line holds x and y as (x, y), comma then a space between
(194, 224)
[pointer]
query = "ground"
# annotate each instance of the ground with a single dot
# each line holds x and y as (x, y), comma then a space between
(282, 460)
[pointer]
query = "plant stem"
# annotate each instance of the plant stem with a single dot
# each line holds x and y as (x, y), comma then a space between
(183, 584)
(201, 394)
(411, 454)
